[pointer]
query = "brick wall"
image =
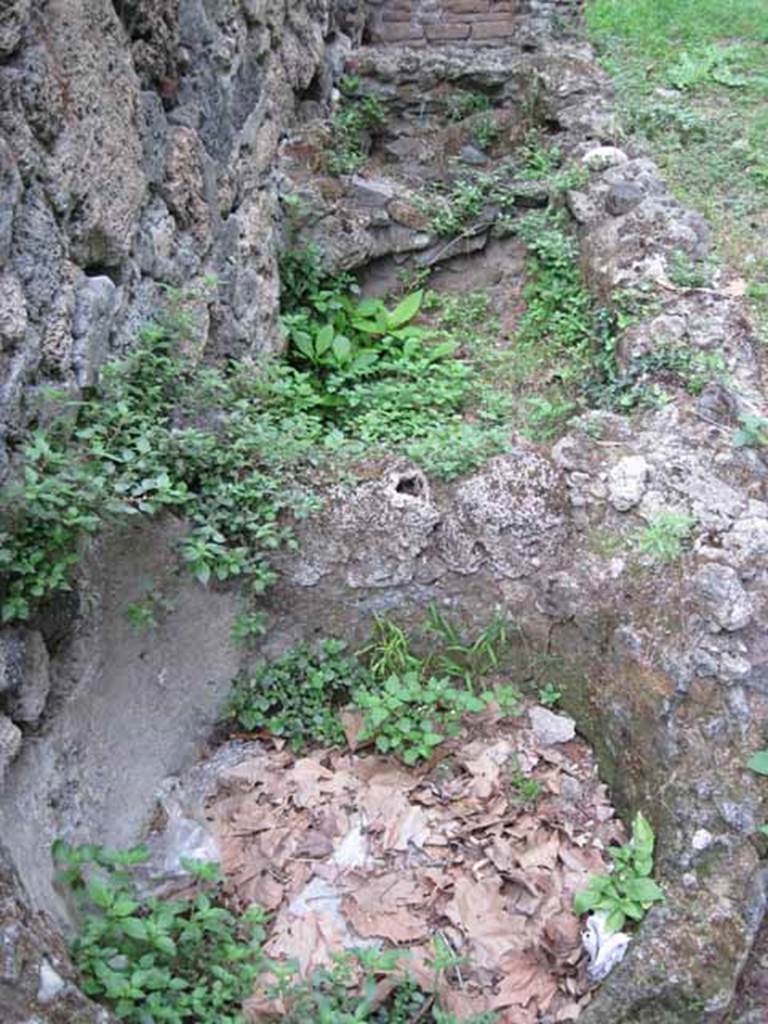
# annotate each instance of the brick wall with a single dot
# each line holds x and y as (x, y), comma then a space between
(463, 22)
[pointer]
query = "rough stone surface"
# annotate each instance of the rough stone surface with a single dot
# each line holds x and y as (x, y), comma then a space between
(136, 141)
(722, 597)
(37, 981)
(627, 482)
(10, 743)
(24, 673)
(663, 667)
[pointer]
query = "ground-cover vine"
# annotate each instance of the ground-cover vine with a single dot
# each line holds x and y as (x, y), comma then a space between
(166, 433)
(233, 449)
(296, 696)
(412, 691)
(153, 959)
(191, 960)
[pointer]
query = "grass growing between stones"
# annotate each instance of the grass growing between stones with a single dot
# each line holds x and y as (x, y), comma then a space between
(692, 80)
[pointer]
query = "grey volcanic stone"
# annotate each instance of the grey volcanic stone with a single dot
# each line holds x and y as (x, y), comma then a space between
(627, 482)
(722, 597)
(95, 302)
(622, 198)
(10, 743)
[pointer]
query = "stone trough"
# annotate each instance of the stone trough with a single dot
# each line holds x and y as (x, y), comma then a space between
(664, 667)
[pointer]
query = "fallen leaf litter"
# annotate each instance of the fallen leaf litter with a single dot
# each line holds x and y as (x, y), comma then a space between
(348, 849)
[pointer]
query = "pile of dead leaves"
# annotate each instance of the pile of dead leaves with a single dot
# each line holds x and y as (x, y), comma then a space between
(351, 849)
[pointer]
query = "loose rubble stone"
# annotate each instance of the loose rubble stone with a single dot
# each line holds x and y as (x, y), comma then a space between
(51, 984)
(473, 156)
(372, 191)
(550, 728)
(601, 157)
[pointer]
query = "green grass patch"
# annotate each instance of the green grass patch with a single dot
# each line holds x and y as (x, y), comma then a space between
(692, 80)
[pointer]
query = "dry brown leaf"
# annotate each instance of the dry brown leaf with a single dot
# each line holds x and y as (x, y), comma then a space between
(399, 822)
(518, 1015)
(568, 1013)
(310, 939)
(255, 771)
(541, 853)
(562, 934)
(264, 890)
(398, 926)
(478, 910)
(252, 818)
(387, 890)
(306, 836)
(314, 844)
(525, 979)
(308, 780)
(461, 1003)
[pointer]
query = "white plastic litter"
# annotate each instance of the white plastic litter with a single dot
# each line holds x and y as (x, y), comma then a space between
(605, 949)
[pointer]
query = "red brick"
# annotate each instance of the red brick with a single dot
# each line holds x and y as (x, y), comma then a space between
(397, 32)
(436, 33)
(493, 29)
(479, 19)
(466, 6)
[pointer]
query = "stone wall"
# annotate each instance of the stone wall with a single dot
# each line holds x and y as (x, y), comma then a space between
(136, 142)
(457, 22)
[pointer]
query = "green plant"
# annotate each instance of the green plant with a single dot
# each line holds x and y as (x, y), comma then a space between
(389, 650)
(356, 118)
(547, 416)
(628, 891)
(467, 660)
(374, 377)
(665, 535)
(177, 960)
(189, 960)
(540, 160)
(752, 432)
(297, 695)
(528, 790)
(691, 79)
(462, 104)
(248, 627)
(459, 206)
(412, 278)
(685, 273)
(485, 131)
(335, 995)
(549, 695)
(411, 703)
(634, 387)
(143, 614)
(409, 716)
(461, 310)
(217, 447)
